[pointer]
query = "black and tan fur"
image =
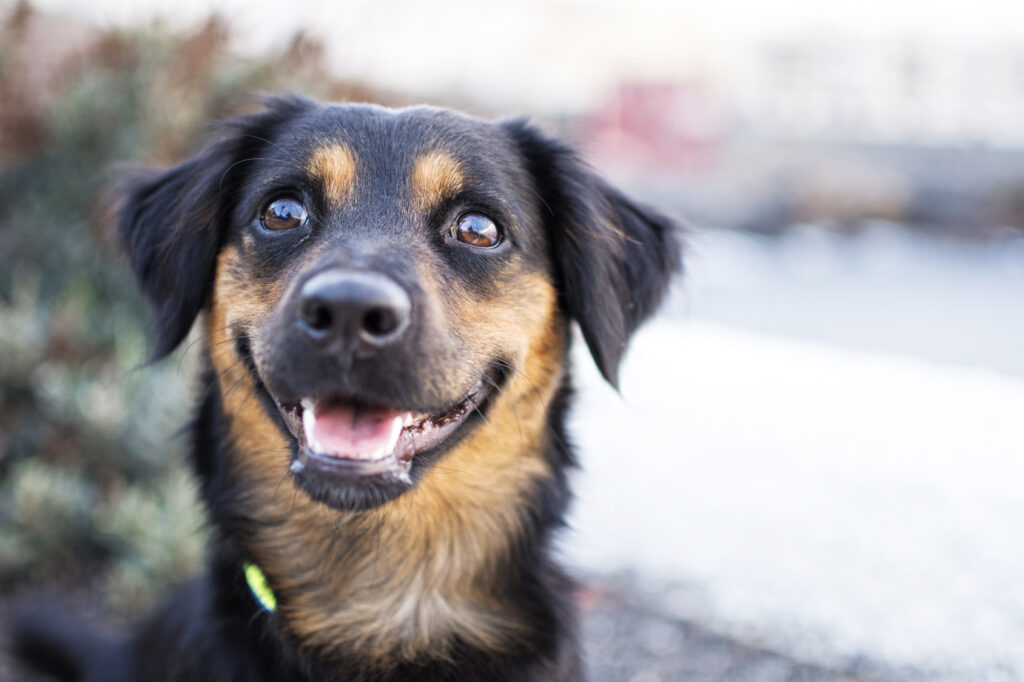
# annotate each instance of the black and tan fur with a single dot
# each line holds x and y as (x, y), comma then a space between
(449, 578)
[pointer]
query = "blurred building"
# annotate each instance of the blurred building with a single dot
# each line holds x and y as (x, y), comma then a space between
(908, 91)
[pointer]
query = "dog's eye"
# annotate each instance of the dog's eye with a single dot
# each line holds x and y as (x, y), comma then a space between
(476, 229)
(284, 213)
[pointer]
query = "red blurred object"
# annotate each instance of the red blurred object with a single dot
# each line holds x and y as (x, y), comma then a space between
(660, 127)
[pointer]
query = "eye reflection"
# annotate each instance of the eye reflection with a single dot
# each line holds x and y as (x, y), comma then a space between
(284, 213)
(476, 229)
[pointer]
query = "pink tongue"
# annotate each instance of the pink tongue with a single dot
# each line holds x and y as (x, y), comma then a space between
(348, 432)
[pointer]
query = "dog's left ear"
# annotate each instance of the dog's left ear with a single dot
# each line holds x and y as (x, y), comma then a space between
(171, 220)
(614, 257)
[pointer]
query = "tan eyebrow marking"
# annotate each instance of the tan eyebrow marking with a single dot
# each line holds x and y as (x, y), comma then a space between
(436, 176)
(334, 165)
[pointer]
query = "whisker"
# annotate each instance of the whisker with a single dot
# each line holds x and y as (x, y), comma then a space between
(265, 141)
(206, 335)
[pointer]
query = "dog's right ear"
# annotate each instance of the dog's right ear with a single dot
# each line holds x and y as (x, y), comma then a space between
(614, 257)
(171, 221)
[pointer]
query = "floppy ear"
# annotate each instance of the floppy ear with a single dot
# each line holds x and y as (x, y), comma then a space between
(171, 221)
(614, 257)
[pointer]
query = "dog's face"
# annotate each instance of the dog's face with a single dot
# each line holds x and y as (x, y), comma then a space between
(384, 277)
(383, 272)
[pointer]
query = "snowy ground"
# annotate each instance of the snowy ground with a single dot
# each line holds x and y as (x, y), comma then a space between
(820, 449)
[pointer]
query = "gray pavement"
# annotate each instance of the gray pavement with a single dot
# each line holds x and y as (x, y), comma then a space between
(626, 639)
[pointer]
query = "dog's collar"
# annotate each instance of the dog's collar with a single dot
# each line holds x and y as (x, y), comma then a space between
(259, 587)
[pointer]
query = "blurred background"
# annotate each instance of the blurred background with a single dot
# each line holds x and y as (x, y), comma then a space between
(813, 470)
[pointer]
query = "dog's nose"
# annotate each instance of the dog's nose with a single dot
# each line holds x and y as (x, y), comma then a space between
(354, 308)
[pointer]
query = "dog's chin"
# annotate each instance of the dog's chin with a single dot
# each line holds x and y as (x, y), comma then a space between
(352, 493)
(353, 456)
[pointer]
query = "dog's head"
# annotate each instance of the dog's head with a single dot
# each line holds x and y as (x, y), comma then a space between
(383, 277)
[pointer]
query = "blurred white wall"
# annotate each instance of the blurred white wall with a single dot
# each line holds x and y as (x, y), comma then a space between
(869, 71)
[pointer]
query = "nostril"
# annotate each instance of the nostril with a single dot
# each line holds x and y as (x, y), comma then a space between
(380, 321)
(316, 313)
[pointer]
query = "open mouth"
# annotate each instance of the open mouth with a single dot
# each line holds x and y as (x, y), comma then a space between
(352, 440)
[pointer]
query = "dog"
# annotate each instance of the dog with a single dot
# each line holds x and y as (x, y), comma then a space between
(385, 299)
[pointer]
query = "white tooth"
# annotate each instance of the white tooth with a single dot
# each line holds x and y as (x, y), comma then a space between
(309, 425)
(370, 456)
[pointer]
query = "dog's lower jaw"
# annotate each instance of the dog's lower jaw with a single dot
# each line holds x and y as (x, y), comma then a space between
(360, 483)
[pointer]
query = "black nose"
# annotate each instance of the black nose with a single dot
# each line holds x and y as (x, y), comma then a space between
(353, 308)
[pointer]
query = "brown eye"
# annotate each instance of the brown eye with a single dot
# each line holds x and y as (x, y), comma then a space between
(476, 229)
(284, 213)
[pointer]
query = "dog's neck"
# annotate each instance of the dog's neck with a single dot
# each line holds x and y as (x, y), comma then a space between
(433, 567)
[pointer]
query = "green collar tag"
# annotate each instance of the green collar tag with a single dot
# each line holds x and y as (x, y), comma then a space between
(259, 587)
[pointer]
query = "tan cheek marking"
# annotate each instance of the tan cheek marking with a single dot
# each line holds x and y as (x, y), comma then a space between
(238, 306)
(436, 175)
(239, 300)
(518, 312)
(334, 165)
